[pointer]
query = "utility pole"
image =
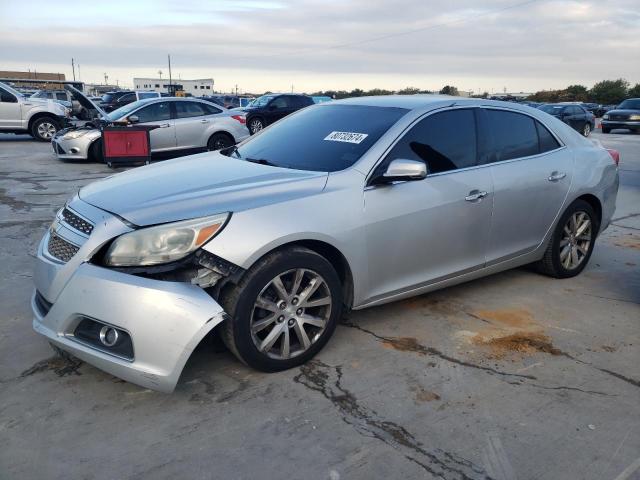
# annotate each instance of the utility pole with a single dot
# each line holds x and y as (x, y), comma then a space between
(79, 77)
(73, 69)
(170, 87)
(106, 78)
(236, 89)
(160, 73)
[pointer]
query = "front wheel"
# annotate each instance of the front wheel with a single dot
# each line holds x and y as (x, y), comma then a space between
(44, 129)
(255, 125)
(283, 311)
(606, 130)
(572, 242)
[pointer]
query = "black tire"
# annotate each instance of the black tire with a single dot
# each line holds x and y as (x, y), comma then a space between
(239, 300)
(586, 129)
(255, 124)
(44, 128)
(606, 130)
(95, 151)
(551, 264)
(218, 141)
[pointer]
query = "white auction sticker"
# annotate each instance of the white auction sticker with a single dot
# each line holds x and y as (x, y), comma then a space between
(348, 137)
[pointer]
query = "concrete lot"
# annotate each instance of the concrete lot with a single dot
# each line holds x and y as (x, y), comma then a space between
(515, 376)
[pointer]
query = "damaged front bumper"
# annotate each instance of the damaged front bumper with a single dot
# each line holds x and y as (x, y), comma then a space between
(159, 323)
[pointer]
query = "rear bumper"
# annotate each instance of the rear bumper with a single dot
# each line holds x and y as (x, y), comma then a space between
(165, 320)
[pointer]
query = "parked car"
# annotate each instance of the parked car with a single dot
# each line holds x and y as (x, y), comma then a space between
(64, 98)
(342, 205)
(41, 118)
(603, 109)
(267, 109)
(187, 125)
(321, 99)
(626, 115)
(573, 115)
(113, 100)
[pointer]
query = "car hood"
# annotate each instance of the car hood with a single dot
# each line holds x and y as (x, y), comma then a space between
(629, 111)
(85, 101)
(197, 186)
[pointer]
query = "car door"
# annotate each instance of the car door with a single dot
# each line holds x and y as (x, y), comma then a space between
(10, 110)
(278, 108)
(531, 174)
(162, 138)
(421, 232)
(192, 122)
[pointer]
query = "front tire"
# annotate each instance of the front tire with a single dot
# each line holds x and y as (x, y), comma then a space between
(255, 125)
(572, 242)
(44, 128)
(586, 130)
(283, 311)
(95, 152)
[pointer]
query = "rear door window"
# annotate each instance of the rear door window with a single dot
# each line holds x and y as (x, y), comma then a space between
(444, 141)
(514, 135)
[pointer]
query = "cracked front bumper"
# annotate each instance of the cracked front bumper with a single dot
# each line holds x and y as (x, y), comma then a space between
(166, 320)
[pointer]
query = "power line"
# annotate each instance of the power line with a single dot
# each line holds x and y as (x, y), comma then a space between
(408, 32)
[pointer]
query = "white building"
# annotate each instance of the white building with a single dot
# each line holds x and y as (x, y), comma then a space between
(197, 88)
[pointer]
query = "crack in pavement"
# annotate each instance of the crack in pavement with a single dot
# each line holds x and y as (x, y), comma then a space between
(327, 380)
(423, 350)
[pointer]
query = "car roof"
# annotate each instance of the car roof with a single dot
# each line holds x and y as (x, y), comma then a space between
(409, 102)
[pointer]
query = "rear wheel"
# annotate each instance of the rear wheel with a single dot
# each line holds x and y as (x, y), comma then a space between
(586, 130)
(44, 128)
(283, 311)
(219, 141)
(572, 242)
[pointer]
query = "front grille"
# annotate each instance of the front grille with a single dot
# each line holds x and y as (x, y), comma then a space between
(76, 222)
(60, 248)
(42, 304)
(59, 149)
(618, 117)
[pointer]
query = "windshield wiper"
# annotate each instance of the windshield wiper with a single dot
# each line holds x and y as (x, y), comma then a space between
(232, 149)
(261, 161)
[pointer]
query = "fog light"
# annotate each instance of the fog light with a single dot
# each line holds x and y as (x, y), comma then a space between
(74, 150)
(108, 336)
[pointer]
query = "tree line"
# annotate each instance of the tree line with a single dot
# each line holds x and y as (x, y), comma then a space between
(606, 92)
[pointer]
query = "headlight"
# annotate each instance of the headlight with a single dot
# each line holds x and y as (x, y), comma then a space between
(75, 134)
(635, 118)
(164, 243)
(605, 116)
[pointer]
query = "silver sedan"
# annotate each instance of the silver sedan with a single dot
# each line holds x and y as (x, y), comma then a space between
(185, 126)
(342, 205)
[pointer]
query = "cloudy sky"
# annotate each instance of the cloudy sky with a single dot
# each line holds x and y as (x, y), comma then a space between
(330, 44)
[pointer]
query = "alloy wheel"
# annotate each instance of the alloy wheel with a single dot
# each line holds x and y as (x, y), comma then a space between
(256, 126)
(586, 130)
(290, 313)
(46, 130)
(576, 240)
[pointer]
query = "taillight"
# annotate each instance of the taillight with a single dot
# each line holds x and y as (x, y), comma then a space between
(239, 118)
(615, 155)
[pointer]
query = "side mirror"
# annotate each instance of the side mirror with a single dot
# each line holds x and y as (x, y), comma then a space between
(403, 170)
(134, 119)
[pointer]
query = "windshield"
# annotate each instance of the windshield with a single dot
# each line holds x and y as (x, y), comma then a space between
(552, 109)
(126, 110)
(321, 138)
(630, 104)
(261, 101)
(143, 95)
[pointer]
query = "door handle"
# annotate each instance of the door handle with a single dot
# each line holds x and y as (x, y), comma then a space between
(475, 195)
(204, 120)
(555, 176)
(164, 125)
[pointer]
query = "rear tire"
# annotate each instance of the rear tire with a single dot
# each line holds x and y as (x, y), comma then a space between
(218, 141)
(44, 128)
(255, 125)
(586, 130)
(572, 242)
(263, 319)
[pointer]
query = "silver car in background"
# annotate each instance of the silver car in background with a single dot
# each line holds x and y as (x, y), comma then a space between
(185, 126)
(342, 205)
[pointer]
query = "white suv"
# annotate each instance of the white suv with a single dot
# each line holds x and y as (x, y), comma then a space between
(41, 118)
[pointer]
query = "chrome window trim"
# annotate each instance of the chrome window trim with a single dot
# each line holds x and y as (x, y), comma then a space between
(461, 107)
